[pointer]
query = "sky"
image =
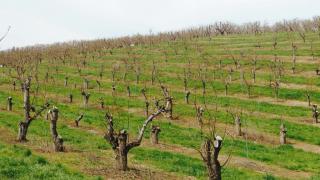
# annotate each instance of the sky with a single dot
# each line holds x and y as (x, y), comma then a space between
(48, 21)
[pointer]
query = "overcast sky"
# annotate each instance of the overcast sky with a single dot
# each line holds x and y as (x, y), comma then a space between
(47, 21)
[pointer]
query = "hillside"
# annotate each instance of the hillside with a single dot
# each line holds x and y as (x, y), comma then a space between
(264, 79)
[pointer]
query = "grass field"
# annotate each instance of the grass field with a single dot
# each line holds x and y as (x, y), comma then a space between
(255, 155)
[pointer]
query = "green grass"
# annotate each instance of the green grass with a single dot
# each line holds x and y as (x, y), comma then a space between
(20, 163)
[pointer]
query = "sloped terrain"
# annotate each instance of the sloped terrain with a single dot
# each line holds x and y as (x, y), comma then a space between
(256, 154)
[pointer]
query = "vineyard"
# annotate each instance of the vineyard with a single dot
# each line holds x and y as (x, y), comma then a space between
(178, 105)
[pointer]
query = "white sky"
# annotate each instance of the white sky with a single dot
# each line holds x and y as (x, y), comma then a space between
(47, 21)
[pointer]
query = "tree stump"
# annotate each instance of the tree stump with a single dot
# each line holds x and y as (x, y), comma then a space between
(57, 140)
(70, 98)
(85, 98)
(85, 83)
(78, 120)
(315, 113)
(237, 122)
(209, 152)
(155, 130)
(66, 81)
(186, 97)
(283, 132)
(9, 104)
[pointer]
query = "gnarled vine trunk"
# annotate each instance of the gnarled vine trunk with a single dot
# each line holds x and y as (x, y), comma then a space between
(57, 140)
(209, 152)
(155, 130)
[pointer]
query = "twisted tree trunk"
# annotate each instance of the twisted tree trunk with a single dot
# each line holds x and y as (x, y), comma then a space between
(57, 140)
(78, 120)
(24, 125)
(209, 153)
(119, 141)
(85, 98)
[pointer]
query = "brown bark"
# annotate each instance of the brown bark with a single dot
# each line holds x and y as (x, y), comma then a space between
(24, 125)
(85, 98)
(85, 83)
(79, 118)
(9, 104)
(237, 122)
(186, 97)
(119, 142)
(209, 152)
(70, 98)
(66, 81)
(14, 85)
(309, 99)
(315, 113)
(57, 140)
(155, 130)
(283, 132)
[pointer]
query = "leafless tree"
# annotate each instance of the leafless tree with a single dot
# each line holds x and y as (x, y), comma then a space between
(223, 28)
(66, 81)
(85, 84)
(9, 103)
(169, 102)
(70, 98)
(236, 116)
(57, 140)
(78, 119)
(99, 84)
(101, 102)
(315, 113)
(186, 97)
(199, 115)
(119, 141)
(146, 102)
(294, 49)
(283, 132)
(14, 85)
(308, 99)
(24, 125)
(85, 96)
(154, 72)
(154, 136)
(209, 152)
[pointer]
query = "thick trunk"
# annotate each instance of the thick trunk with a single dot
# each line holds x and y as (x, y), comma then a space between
(24, 125)
(155, 130)
(23, 129)
(122, 154)
(214, 171)
(85, 98)
(210, 157)
(57, 140)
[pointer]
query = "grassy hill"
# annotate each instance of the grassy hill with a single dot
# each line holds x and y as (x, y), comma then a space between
(257, 154)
